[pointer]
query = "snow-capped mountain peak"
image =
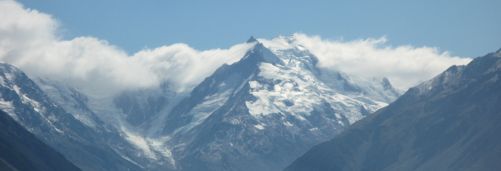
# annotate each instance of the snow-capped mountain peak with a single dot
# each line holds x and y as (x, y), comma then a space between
(259, 54)
(274, 93)
(248, 113)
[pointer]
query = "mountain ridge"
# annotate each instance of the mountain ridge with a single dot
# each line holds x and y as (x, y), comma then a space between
(447, 123)
(251, 106)
(248, 115)
(28, 105)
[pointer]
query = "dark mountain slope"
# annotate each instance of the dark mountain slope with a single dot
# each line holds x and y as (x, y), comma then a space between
(451, 122)
(21, 150)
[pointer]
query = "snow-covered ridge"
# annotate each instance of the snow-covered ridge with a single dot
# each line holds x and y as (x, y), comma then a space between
(10, 78)
(296, 86)
(272, 94)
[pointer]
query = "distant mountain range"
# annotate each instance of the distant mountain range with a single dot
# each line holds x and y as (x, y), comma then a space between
(259, 113)
(451, 122)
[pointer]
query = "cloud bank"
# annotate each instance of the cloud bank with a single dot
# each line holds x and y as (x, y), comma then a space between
(405, 66)
(29, 39)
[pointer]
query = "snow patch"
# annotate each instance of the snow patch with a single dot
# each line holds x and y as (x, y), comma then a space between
(140, 143)
(152, 148)
(259, 126)
(288, 124)
(8, 107)
(159, 146)
(204, 110)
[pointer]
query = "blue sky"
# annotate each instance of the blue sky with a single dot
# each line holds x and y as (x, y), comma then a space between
(462, 27)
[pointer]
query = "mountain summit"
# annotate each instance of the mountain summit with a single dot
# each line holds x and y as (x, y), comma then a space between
(251, 40)
(259, 112)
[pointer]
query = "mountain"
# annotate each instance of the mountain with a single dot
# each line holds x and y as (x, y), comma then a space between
(147, 109)
(448, 123)
(259, 113)
(21, 150)
(266, 109)
(90, 148)
(108, 118)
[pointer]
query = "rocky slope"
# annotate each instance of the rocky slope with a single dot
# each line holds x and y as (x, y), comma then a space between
(21, 150)
(448, 123)
(89, 148)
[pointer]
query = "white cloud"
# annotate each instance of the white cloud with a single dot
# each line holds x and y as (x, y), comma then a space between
(23, 29)
(186, 66)
(28, 39)
(405, 66)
